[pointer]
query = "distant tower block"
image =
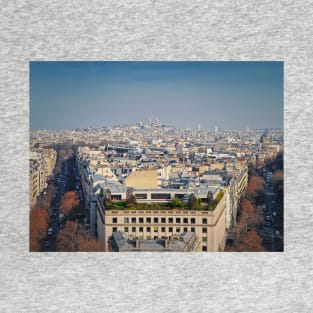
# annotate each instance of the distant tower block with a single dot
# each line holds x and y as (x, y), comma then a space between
(199, 127)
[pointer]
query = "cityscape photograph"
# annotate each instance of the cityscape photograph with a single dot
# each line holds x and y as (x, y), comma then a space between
(156, 156)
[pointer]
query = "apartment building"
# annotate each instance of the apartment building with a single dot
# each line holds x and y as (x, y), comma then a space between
(34, 185)
(208, 226)
(41, 165)
(49, 157)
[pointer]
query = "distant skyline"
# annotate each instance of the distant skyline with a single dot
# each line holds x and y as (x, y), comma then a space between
(230, 95)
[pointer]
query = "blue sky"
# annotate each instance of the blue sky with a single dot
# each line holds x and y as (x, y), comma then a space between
(230, 95)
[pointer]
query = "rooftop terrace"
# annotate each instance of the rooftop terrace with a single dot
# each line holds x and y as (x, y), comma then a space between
(188, 202)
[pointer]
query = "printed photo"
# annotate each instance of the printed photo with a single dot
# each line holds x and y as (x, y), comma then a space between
(156, 156)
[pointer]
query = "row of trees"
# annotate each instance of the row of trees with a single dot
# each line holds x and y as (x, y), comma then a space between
(69, 202)
(45, 202)
(74, 238)
(255, 189)
(38, 223)
(246, 239)
(39, 215)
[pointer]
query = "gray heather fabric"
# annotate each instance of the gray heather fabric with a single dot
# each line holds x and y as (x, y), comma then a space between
(155, 30)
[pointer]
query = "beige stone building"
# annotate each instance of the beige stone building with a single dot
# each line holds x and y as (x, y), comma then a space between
(34, 182)
(209, 226)
(50, 157)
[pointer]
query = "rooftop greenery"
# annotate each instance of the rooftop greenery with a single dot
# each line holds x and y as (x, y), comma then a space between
(176, 204)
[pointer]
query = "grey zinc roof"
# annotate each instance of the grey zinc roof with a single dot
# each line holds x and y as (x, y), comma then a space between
(98, 177)
(123, 243)
(151, 245)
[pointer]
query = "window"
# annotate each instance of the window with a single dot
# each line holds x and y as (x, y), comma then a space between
(177, 219)
(170, 229)
(140, 219)
(204, 230)
(204, 248)
(126, 229)
(178, 230)
(148, 220)
(161, 196)
(126, 220)
(141, 196)
(193, 230)
(185, 220)
(155, 229)
(163, 229)
(185, 229)
(155, 220)
(204, 221)
(193, 220)
(170, 220)
(163, 220)
(179, 195)
(148, 229)
(114, 220)
(204, 239)
(133, 229)
(134, 220)
(114, 229)
(141, 229)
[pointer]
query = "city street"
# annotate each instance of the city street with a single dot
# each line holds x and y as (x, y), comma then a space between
(57, 219)
(55, 224)
(272, 232)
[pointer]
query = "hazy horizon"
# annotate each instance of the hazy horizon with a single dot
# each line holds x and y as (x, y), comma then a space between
(230, 95)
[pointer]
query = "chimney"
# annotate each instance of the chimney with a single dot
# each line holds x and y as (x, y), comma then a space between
(166, 244)
(137, 243)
